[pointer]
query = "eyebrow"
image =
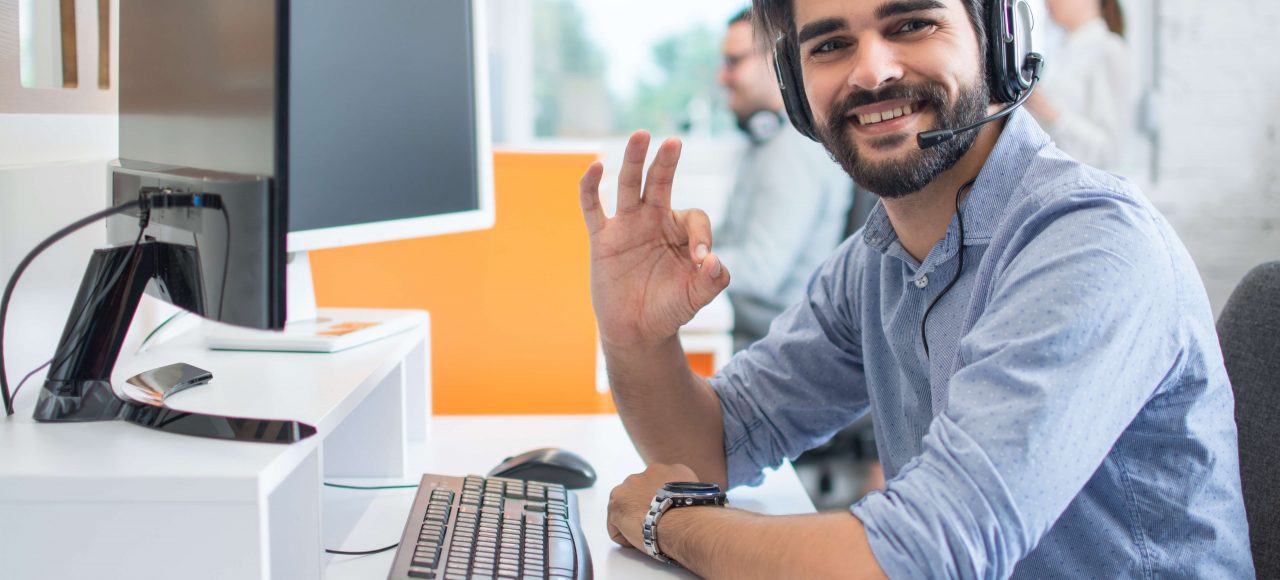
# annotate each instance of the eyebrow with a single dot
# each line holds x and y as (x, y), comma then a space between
(820, 27)
(889, 9)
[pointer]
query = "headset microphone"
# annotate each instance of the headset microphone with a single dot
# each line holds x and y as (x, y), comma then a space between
(1034, 64)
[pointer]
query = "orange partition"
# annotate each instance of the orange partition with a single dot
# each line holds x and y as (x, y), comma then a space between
(512, 330)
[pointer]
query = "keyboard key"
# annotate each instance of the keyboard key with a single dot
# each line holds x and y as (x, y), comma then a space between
(560, 554)
(421, 573)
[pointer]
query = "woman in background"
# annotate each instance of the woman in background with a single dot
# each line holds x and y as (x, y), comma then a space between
(1084, 102)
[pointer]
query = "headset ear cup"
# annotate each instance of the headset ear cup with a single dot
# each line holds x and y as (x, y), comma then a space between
(996, 51)
(1008, 44)
(792, 87)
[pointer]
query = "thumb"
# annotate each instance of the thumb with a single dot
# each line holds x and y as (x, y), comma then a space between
(711, 279)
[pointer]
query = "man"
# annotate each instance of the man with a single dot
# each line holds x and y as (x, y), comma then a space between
(789, 203)
(1064, 410)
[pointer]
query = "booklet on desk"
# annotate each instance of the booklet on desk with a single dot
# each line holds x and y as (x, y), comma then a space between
(332, 330)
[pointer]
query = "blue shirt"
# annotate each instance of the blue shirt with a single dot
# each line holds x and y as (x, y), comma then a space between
(1073, 417)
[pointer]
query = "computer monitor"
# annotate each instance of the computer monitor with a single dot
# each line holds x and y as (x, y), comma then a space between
(280, 127)
(371, 116)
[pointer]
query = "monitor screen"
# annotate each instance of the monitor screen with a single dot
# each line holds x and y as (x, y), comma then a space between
(381, 115)
(386, 132)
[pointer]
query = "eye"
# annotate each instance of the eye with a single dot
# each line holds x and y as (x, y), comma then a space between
(828, 46)
(915, 26)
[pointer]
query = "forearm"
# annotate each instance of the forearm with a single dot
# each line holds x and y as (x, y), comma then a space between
(729, 543)
(671, 414)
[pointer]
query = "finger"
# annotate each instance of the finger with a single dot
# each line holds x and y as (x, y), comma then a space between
(629, 179)
(712, 278)
(662, 173)
(697, 227)
(589, 197)
(616, 535)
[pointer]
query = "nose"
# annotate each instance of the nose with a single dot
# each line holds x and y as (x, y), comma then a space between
(722, 76)
(874, 65)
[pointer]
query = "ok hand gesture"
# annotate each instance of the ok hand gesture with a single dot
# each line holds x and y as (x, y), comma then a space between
(651, 266)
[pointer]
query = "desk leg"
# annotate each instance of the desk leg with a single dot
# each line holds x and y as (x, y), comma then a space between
(417, 389)
(371, 441)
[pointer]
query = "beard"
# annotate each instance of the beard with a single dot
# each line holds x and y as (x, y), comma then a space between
(912, 172)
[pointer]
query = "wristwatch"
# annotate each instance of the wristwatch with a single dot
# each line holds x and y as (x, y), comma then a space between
(673, 495)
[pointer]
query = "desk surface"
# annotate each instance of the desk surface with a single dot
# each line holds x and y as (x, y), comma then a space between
(358, 520)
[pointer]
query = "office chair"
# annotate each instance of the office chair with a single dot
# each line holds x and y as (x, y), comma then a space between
(863, 202)
(1249, 330)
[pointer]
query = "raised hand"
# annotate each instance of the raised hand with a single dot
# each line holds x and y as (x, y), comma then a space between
(652, 267)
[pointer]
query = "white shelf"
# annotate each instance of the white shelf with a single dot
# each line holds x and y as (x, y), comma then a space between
(132, 502)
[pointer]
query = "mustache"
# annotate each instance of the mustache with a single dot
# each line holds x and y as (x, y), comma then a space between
(931, 93)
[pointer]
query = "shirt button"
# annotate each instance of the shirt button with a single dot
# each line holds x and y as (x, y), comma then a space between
(922, 281)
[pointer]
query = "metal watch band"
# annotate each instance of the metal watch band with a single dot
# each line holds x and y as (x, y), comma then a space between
(663, 502)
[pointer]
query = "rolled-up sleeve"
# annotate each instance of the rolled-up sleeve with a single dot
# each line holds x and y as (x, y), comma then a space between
(796, 387)
(1077, 338)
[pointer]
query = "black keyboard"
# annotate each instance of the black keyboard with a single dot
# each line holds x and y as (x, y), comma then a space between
(492, 527)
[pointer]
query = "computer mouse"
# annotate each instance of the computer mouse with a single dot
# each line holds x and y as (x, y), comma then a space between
(550, 465)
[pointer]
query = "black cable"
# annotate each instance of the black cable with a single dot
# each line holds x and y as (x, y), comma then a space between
(22, 266)
(959, 266)
(365, 553)
(226, 259)
(18, 389)
(99, 295)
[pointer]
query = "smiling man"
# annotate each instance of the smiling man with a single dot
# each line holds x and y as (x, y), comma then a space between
(1029, 334)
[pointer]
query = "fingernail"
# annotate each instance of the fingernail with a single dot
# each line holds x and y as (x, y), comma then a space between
(715, 270)
(700, 252)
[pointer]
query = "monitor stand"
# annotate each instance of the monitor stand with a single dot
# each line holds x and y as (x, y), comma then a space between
(78, 387)
(312, 329)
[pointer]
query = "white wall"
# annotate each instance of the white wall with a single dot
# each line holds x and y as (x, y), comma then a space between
(53, 170)
(1218, 176)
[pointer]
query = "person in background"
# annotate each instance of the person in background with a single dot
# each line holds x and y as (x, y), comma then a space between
(1085, 103)
(790, 202)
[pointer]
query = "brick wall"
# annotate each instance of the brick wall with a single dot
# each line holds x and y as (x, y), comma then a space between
(1219, 149)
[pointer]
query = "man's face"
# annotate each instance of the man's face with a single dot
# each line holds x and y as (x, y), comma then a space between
(747, 74)
(878, 72)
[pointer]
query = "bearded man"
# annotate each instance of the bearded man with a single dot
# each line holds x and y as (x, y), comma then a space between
(1032, 339)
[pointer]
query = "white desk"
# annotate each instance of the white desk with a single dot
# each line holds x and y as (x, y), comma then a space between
(115, 500)
(360, 520)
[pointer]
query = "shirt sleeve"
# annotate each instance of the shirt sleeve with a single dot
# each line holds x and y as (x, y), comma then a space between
(1075, 341)
(788, 197)
(796, 387)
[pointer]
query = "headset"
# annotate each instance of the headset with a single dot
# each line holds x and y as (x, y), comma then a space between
(762, 125)
(1012, 70)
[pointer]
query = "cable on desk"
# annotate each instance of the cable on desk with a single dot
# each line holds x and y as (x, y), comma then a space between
(365, 553)
(370, 487)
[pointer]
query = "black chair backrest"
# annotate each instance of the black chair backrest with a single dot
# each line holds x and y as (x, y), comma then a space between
(863, 202)
(1249, 330)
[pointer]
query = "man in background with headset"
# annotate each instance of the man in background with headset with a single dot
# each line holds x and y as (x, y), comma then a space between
(789, 202)
(1033, 340)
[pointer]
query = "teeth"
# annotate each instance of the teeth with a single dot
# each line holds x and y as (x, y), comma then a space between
(884, 116)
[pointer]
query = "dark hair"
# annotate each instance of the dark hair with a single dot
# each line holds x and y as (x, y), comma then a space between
(742, 16)
(1114, 16)
(774, 18)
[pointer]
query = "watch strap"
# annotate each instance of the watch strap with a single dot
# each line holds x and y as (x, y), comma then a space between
(663, 502)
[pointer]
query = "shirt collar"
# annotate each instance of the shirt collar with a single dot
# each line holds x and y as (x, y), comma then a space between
(1019, 143)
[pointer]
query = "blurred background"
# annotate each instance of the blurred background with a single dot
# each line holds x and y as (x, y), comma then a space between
(1200, 90)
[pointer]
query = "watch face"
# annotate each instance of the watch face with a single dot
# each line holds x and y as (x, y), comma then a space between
(692, 487)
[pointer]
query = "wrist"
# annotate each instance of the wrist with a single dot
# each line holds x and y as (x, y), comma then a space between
(676, 497)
